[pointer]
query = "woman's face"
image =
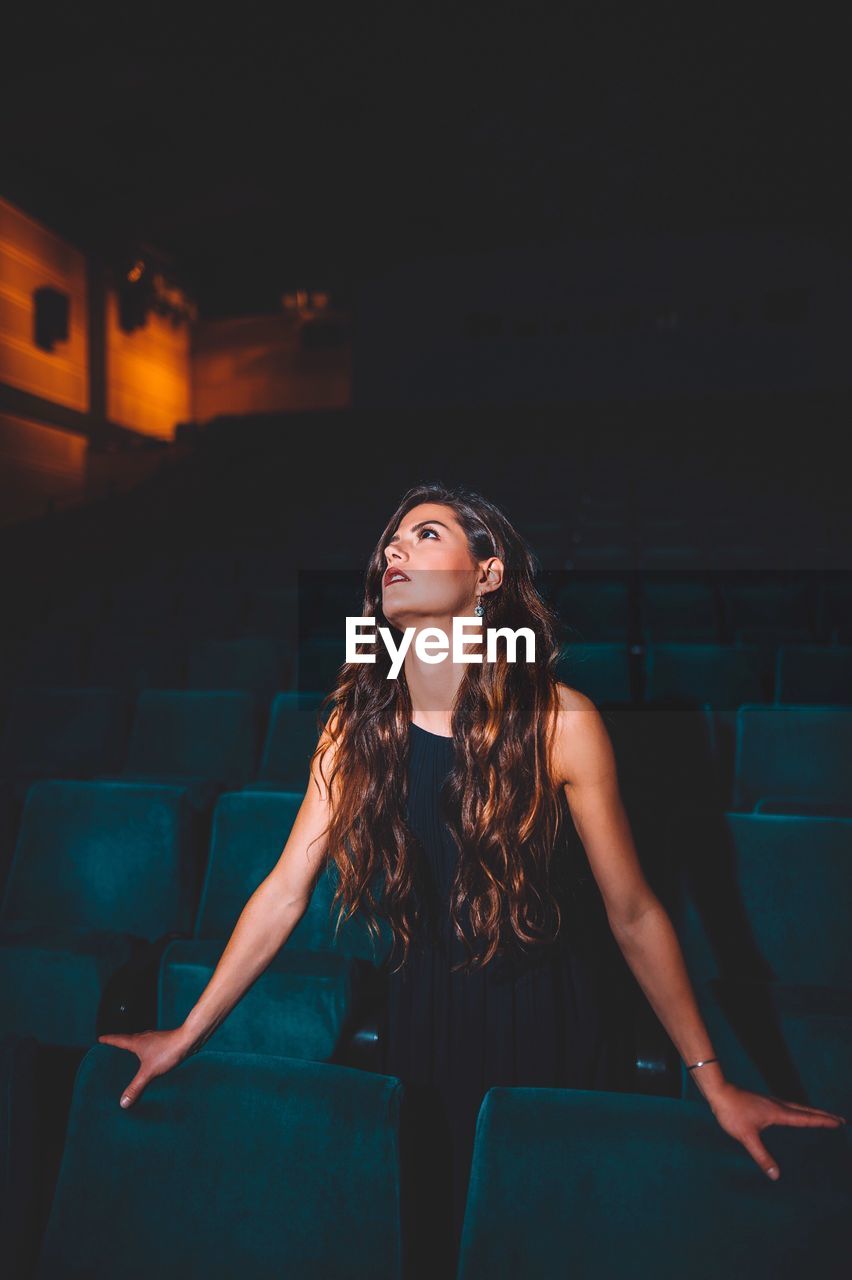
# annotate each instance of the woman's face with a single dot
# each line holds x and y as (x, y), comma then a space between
(441, 576)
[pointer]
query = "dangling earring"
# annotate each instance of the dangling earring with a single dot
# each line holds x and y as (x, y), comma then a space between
(480, 607)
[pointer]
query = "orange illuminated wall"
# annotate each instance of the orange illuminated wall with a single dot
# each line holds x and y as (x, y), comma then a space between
(147, 374)
(38, 462)
(258, 364)
(32, 256)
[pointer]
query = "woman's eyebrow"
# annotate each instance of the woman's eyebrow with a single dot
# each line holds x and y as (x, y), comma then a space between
(419, 525)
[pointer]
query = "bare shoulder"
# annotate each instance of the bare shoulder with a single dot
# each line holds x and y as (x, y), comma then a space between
(581, 746)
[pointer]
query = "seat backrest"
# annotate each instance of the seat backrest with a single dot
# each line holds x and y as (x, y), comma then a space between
(765, 897)
(211, 734)
(231, 1165)
(792, 750)
(104, 856)
(291, 738)
(599, 670)
(721, 675)
(820, 673)
(250, 830)
(577, 1183)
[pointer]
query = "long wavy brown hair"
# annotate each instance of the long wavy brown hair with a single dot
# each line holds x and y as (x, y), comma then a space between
(499, 800)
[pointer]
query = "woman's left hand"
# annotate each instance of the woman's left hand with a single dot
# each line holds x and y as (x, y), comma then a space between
(743, 1115)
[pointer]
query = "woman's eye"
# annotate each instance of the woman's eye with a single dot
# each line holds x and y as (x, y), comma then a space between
(426, 529)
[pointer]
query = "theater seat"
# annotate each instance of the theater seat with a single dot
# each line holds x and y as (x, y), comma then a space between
(721, 675)
(291, 738)
(309, 1000)
(600, 671)
(248, 662)
(820, 673)
(99, 871)
(764, 897)
(204, 741)
(790, 1040)
(801, 751)
(763, 924)
(230, 1165)
(570, 1182)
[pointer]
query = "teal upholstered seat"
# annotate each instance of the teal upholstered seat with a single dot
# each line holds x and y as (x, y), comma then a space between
(305, 1002)
(20, 1154)
(782, 606)
(98, 870)
(797, 751)
(820, 673)
(247, 662)
(765, 897)
(721, 675)
(601, 671)
(594, 609)
(763, 923)
(568, 1182)
(679, 610)
(230, 1165)
(793, 1041)
(291, 738)
(185, 733)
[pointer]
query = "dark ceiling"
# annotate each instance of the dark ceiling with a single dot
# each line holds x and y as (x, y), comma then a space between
(272, 147)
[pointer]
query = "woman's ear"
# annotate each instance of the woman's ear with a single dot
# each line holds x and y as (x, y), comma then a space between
(493, 574)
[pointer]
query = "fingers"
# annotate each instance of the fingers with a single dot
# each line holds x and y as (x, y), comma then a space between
(134, 1090)
(813, 1111)
(120, 1041)
(761, 1156)
(806, 1119)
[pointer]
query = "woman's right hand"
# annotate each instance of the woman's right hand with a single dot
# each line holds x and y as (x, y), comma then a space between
(157, 1051)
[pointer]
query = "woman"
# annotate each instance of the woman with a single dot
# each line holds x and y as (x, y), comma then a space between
(450, 800)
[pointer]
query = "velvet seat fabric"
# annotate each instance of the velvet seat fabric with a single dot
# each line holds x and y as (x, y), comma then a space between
(291, 738)
(599, 670)
(814, 673)
(188, 733)
(763, 923)
(790, 1040)
(304, 1002)
(765, 897)
(594, 1185)
(99, 869)
(722, 675)
(231, 1165)
(796, 750)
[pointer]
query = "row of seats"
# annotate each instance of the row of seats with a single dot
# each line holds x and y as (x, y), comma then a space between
(608, 671)
(705, 610)
(589, 610)
(101, 869)
(108, 874)
(723, 676)
(231, 738)
(244, 1164)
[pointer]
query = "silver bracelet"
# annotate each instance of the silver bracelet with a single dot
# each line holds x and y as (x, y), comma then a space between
(703, 1063)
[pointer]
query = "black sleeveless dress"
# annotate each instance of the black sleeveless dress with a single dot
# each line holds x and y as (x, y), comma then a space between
(549, 1017)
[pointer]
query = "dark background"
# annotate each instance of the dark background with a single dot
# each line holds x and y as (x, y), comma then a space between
(264, 146)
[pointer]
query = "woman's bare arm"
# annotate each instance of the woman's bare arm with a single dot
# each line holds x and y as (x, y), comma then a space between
(271, 913)
(585, 764)
(264, 925)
